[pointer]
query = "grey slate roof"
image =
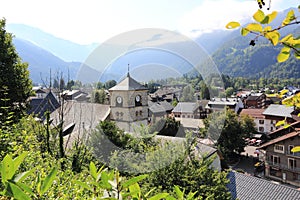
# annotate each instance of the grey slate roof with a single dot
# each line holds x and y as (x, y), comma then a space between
(279, 110)
(185, 107)
(40, 105)
(248, 187)
(128, 83)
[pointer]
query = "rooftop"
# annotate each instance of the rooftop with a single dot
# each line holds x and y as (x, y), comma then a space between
(255, 113)
(128, 83)
(247, 187)
(279, 110)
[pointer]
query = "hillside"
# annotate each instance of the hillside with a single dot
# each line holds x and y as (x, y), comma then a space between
(40, 61)
(64, 49)
(238, 58)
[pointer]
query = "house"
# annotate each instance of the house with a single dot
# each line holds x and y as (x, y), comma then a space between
(262, 124)
(255, 100)
(158, 110)
(280, 163)
(82, 117)
(219, 104)
(42, 103)
(245, 187)
(275, 113)
(193, 110)
(75, 95)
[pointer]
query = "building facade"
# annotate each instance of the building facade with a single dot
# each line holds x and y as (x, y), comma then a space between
(129, 104)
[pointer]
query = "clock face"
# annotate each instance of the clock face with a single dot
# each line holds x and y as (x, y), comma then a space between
(138, 98)
(119, 99)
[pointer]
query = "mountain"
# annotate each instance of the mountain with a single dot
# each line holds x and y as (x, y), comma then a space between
(41, 61)
(237, 58)
(64, 49)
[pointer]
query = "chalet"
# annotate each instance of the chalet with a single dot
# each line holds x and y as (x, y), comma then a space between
(158, 110)
(262, 124)
(255, 101)
(280, 163)
(75, 95)
(217, 104)
(193, 110)
(276, 113)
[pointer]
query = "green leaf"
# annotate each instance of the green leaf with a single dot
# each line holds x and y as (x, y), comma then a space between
(159, 196)
(25, 188)
(93, 170)
(135, 190)
(284, 54)
(48, 180)
(170, 198)
(259, 16)
(134, 180)
(148, 193)
(244, 31)
(18, 160)
(22, 176)
(17, 192)
(191, 195)
(254, 27)
(84, 185)
(7, 169)
(178, 192)
(233, 25)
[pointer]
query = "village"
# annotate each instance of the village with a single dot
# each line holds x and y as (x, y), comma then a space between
(268, 156)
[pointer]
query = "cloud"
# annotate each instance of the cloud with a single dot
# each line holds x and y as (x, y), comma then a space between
(215, 14)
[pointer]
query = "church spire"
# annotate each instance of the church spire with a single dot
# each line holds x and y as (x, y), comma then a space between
(128, 71)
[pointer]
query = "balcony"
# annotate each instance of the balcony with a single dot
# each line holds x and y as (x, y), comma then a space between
(289, 153)
(283, 166)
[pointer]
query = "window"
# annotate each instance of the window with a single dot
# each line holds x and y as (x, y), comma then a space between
(291, 163)
(261, 129)
(290, 149)
(136, 113)
(279, 148)
(272, 122)
(271, 129)
(141, 112)
(261, 121)
(275, 160)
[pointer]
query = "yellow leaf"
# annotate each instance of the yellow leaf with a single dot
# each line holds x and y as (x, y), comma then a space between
(289, 17)
(273, 37)
(232, 25)
(244, 32)
(259, 16)
(269, 18)
(295, 149)
(280, 123)
(287, 38)
(267, 28)
(284, 54)
(254, 27)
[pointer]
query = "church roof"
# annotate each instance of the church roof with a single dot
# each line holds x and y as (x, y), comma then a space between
(128, 83)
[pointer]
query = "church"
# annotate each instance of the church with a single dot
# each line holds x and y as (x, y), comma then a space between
(129, 104)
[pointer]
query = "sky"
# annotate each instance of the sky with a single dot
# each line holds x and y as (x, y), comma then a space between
(95, 21)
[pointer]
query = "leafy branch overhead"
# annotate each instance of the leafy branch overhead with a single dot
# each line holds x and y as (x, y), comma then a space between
(262, 28)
